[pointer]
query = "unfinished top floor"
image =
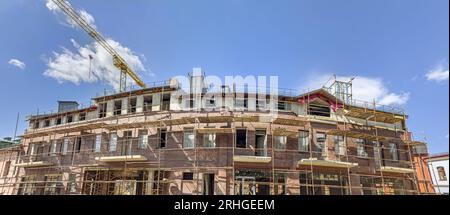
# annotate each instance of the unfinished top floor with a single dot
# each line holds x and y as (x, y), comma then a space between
(170, 97)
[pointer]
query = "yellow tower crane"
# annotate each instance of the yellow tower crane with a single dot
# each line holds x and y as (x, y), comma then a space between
(118, 61)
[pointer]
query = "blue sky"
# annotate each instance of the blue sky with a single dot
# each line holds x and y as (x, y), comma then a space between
(390, 45)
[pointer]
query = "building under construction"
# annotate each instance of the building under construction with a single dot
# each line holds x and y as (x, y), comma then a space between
(152, 142)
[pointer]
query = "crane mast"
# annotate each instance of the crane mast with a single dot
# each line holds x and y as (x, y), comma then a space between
(118, 61)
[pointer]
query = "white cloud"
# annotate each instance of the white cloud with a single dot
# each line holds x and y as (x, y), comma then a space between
(437, 74)
(17, 63)
(364, 89)
(68, 21)
(73, 64)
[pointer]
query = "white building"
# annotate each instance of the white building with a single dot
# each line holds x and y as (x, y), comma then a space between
(438, 166)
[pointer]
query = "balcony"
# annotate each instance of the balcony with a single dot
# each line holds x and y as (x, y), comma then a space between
(34, 164)
(120, 158)
(392, 169)
(35, 160)
(379, 113)
(258, 155)
(326, 157)
(326, 163)
(126, 150)
(251, 159)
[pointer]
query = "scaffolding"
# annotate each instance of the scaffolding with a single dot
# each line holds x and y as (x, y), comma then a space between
(83, 157)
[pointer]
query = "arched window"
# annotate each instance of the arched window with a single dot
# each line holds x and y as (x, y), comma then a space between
(441, 172)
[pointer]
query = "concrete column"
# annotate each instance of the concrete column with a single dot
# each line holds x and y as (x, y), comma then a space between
(229, 102)
(52, 122)
(92, 114)
(124, 109)
(174, 102)
(251, 103)
(156, 102)
(110, 108)
(139, 103)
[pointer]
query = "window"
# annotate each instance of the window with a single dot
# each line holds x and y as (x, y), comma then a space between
(113, 142)
(368, 185)
(143, 139)
(72, 183)
(303, 141)
(280, 142)
(52, 184)
(78, 145)
(261, 143)
(127, 143)
(53, 148)
(47, 123)
(321, 143)
(69, 119)
(49, 149)
(210, 103)
(31, 149)
(339, 145)
(241, 138)
(27, 187)
(58, 121)
(241, 103)
(281, 105)
(393, 151)
(117, 107)
(65, 146)
(82, 117)
(6, 168)
(162, 133)
(188, 176)
(190, 103)
(319, 110)
(208, 184)
(305, 181)
(101, 110)
(188, 139)
(209, 140)
(40, 149)
(441, 173)
(98, 143)
(166, 101)
(148, 100)
(261, 103)
(36, 125)
(132, 105)
(321, 137)
(361, 148)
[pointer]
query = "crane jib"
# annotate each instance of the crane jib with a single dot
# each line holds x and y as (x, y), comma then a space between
(118, 61)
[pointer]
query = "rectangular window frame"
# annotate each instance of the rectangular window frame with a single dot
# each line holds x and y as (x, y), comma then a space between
(244, 138)
(65, 146)
(209, 140)
(280, 142)
(361, 150)
(340, 148)
(187, 138)
(162, 138)
(112, 146)
(188, 176)
(143, 139)
(303, 141)
(393, 151)
(98, 143)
